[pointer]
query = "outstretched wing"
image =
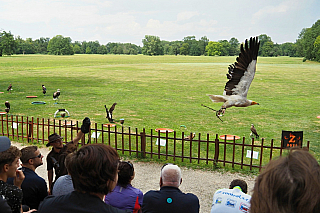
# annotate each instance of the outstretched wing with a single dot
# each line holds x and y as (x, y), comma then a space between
(112, 107)
(242, 72)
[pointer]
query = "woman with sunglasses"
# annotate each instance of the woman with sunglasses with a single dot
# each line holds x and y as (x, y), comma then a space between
(124, 195)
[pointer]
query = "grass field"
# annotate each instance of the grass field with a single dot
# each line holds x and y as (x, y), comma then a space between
(167, 91)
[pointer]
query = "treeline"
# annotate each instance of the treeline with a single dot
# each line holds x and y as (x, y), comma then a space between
(307, 45)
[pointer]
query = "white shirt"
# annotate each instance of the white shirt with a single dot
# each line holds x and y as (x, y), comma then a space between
(230, 201)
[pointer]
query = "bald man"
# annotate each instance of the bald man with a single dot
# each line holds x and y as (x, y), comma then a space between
(169, 198)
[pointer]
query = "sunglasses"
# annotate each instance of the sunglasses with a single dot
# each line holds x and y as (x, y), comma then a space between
(38, 156)
(130, 164)
(166, 165)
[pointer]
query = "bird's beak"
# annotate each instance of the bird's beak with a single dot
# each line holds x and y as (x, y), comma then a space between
(254, 103)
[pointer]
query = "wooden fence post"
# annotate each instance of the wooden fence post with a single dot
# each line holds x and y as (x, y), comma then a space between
(216, 151)
(143, 143)
(30, 130)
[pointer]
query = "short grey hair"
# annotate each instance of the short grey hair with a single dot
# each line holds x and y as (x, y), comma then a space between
(171, 175)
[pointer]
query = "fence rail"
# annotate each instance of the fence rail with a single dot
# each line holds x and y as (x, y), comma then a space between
(207, 149)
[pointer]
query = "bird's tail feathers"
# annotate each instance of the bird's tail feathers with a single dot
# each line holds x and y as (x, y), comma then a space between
(217, 98)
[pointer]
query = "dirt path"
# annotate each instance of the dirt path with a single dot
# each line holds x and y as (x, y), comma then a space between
(201, 183)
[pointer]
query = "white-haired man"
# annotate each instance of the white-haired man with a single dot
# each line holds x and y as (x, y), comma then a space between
(169, 198)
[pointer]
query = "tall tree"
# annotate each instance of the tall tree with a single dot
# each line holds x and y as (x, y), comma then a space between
(94, 45)
(191, 41)
(29, 47)
(41, 45)
(152, 45)
(213, 48)
(263, 38)
(102, 50)
(60, 45)
(234, 46)
(306, 40)
(316, 45)
(7, 43)
(195, 50)
(289, 49)
(266, 49)
(76, 49)
(184, 49)
(225, 47)
(202, 43)
(19, 45)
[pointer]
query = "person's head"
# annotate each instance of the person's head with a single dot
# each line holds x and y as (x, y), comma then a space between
(126, 173)
(9, 157)
(31, 156)
(94, 168)
(288, 184)
(240, 183)
(55, 140)
(170, 175)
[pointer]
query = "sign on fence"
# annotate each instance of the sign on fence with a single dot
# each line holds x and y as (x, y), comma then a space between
(162, 142)
(255, 154)
(292, 138)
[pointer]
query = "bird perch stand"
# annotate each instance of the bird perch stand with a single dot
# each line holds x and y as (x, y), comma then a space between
(229, 137)
(109, 125)
(38, 102)
(61, 110)
(164, 130)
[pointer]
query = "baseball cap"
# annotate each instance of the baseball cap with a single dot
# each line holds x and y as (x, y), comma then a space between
(52, 138)
(5, 143)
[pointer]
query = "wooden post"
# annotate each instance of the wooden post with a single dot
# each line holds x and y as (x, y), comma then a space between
(143, 143)
(30, 130)
(216, 151)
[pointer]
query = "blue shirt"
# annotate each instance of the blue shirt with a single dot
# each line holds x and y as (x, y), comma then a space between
(125, 198)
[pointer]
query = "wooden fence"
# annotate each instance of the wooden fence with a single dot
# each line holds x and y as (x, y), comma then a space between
(202, 149)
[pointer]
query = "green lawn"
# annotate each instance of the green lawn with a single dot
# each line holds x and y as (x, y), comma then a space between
(167, 91)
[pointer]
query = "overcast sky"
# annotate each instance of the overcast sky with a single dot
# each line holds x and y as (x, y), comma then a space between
(130, 20)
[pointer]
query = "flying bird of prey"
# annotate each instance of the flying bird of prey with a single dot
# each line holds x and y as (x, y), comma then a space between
(56, 95)
(9, 88)
(109, 112)
(254, 131)
(240, 76)
(44, 89)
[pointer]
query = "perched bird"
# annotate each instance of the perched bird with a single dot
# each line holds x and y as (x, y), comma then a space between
(109, 112)
(56, 95)
(240, 76)
(254, 131)
(191, 136)
(9, 88)
(7, 104)
(44, 89)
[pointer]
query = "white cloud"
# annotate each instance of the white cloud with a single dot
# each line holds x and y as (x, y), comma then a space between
(282, 8)
(130, 21)
(186, 15)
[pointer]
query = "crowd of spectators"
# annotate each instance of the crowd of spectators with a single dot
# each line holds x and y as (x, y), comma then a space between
(93, 179)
